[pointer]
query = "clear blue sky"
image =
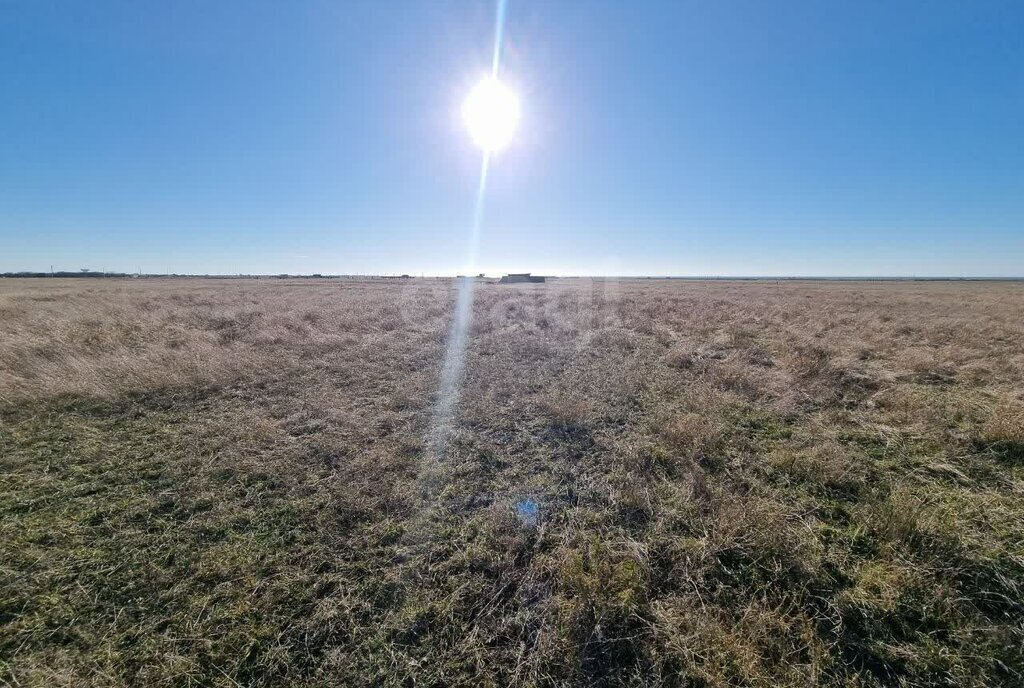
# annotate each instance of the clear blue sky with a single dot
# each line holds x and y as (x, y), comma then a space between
(711, 137)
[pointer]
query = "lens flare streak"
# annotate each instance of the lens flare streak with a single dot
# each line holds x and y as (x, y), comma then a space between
(455, 354)
(453, 367)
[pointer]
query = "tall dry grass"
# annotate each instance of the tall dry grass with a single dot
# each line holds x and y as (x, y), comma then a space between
(737, 483)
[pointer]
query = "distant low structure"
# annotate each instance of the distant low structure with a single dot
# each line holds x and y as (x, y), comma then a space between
(520, 277)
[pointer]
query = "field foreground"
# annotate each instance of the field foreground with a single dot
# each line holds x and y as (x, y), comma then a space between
(227, 483)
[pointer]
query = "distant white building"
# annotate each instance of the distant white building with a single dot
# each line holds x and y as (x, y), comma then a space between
(520, 277)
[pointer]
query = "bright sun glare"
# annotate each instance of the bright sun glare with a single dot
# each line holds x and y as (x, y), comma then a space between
(491, 113)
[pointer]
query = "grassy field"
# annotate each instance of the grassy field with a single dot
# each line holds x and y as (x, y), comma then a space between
(226, 483)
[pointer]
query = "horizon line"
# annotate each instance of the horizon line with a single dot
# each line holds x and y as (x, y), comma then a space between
(99, 274)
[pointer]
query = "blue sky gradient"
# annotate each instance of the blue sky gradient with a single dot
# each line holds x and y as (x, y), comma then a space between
(666, 138)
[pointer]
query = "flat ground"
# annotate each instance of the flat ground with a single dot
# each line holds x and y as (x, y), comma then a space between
(650, 482)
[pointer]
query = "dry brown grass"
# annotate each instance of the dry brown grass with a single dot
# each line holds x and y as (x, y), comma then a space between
(737, 483)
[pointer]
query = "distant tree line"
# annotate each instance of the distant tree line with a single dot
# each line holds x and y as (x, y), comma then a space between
(64, 273)
(98, 274)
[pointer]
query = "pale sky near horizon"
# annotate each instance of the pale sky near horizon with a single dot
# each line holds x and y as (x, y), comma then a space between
(663, 138)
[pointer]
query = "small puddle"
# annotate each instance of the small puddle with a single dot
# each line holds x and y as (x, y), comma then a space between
(528, 512)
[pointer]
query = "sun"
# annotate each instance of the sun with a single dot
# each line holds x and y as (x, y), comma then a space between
(491, 113)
